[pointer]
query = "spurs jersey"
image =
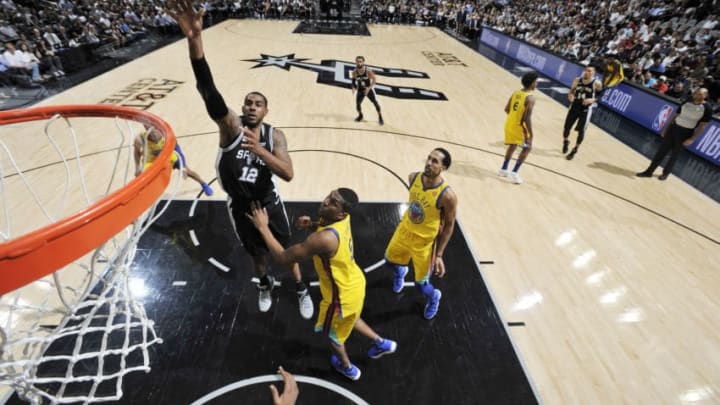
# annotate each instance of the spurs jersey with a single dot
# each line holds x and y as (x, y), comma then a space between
(583, 91)
(424, 215)
(243, 175)
(362, 79)
(342, 282)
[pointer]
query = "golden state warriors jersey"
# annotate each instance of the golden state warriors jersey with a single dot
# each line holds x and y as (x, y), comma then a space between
(424, 216)
(341, 279)
(153, 149)
(514, 122)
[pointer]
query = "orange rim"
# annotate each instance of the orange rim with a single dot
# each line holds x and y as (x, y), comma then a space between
(45, 250)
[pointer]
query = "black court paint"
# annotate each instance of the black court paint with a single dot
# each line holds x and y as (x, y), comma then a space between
(214, 335)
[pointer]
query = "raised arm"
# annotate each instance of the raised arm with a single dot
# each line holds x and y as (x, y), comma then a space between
(190, 22)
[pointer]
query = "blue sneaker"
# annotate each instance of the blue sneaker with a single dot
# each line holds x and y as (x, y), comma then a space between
(432, 304)
(399, 278)
(207, 189)
(378, 350)
(351, 372)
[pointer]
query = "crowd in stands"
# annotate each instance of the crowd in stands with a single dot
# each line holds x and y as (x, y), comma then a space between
(670, 46)
(36, 36)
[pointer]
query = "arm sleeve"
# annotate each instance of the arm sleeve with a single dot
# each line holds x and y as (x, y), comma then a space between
(214, 102)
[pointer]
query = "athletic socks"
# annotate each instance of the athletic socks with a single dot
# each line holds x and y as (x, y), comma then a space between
(517, 166)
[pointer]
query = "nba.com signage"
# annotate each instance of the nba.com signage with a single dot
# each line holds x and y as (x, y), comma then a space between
(652, 112)
(708, 144)
(550, 65)
(648, 110)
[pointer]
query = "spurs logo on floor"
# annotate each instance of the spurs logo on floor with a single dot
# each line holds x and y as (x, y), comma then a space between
(337, 73)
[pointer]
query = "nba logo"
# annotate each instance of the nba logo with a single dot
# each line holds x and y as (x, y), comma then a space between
(662, 117)
(561, 70)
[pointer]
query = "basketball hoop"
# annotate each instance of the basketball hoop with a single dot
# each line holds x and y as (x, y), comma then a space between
(75, 344)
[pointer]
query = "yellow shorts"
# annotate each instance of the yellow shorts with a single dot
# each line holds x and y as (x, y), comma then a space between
(515, 137)
(405, 246)
(337, 324)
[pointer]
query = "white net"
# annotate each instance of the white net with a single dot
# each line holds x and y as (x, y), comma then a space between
(73, 335)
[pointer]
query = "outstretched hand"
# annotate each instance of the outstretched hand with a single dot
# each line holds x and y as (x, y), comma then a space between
(189, 20)
(258, 215)
(303, 222)
(290, 392)
(251, 141)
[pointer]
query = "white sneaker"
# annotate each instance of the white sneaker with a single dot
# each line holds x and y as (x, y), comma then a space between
(265, 295)
(515, 177)
(307, 309)
(503, 173)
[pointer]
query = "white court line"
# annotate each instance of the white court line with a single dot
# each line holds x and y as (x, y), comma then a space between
(561, 90)
(194, 237)
(503, 320)
(374, 266)
(273, 378)
(219, 265)
(257, 281)
(192, 208)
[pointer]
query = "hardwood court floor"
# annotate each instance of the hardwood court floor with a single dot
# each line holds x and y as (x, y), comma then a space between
(615, 278)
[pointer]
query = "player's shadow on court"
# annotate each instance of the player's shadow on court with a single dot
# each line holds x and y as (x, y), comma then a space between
(553, 152)
(535, 150)
(467, 169)
(336, 117)
(213, 234)
(612, 169)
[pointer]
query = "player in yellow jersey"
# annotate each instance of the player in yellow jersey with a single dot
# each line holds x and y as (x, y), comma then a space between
(148, 145)
(614, 73)
(518, 125)
(424, 230)
(342, 282)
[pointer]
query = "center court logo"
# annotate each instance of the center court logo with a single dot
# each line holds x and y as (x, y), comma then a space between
(337, 73)
(662, 117)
